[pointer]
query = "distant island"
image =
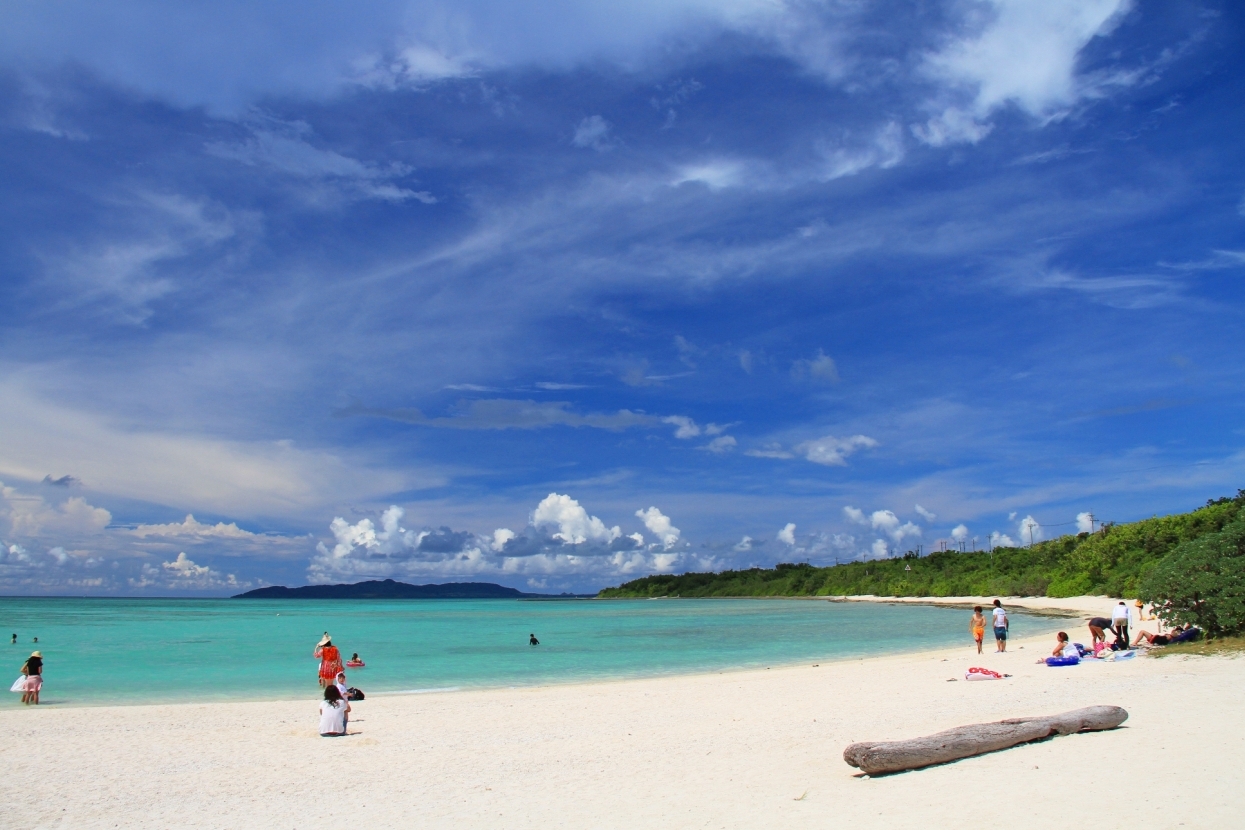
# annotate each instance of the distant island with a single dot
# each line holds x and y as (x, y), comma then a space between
(389, 589)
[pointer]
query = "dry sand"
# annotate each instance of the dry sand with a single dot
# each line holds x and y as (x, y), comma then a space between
(749, 749)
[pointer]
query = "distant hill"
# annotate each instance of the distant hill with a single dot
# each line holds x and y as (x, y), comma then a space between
(389, 589)
(1110, 562)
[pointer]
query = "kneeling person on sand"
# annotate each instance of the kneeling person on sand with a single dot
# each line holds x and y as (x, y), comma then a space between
(334, 713)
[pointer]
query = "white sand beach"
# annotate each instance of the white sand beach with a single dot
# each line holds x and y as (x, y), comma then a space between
(753, 749)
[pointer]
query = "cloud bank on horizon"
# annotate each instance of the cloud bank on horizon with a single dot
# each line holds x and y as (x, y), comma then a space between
(563, 295)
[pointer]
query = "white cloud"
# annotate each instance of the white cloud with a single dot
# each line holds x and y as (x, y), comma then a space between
(594, 132)
(721, 444)
(1011, 515)
(1001, 540)
(574, 524)
(745, 544)
(1025, 55)
(832, 451)
(687, 428)
(183, 573)
(638, 538)
(879, 549)
(889, 523)
(659, 525)
(181, 470)
(191, 527)
(716, 174)
(1030, 530)
(123, 275)
(284, 147)
(855, 514)
(501, 536)
(1084, 522)
(925, 514)
(787, 534)
(960, 533)
(820, 367)
(32, 516)
(770, 451)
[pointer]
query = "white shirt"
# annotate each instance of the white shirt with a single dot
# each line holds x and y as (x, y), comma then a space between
(332, 718)
(1120, 612)
(1000, 618)
(1069, 650)
(341, 687)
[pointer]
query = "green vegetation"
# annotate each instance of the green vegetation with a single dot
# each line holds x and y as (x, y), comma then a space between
(1202, 581)
(1115, 561)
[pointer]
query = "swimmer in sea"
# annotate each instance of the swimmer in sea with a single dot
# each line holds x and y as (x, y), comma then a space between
(532, 641)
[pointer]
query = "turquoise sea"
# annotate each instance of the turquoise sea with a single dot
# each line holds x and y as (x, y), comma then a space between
(102, 651)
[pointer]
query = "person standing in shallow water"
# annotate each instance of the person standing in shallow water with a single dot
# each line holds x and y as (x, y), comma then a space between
(1001, 626)
(33, 670)
(330, 660)
(532, 641)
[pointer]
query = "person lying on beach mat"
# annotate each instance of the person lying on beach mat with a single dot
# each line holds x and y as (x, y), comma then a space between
(1180, 635)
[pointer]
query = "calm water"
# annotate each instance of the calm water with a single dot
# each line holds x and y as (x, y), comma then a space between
(140, 650)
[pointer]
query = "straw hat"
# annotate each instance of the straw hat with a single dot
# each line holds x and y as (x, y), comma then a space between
(325, 640)
(36, 654)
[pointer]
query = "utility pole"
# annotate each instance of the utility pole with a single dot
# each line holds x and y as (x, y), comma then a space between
(1091, 522)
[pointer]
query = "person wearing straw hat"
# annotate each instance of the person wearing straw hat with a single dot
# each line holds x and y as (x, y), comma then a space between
(33, 669)
(330, 660)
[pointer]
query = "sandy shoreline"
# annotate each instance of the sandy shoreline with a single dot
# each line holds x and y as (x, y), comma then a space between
(739, 749)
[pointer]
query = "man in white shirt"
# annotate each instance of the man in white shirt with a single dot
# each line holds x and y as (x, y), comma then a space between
(1119, 619)
(1001, 625)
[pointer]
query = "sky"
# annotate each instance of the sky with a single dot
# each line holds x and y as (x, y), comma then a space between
(561, 295)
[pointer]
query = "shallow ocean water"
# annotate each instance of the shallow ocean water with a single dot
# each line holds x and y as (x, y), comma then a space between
(102, 651)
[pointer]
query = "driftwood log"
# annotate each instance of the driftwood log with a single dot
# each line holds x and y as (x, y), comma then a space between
(978, 739)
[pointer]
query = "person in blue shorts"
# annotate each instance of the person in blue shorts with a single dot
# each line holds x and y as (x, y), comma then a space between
(1001, 626)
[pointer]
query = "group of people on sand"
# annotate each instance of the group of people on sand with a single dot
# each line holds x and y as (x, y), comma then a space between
(335, 708)
(999, 621)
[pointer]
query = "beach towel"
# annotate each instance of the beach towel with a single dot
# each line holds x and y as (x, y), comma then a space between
(19, 685)
(978, 673)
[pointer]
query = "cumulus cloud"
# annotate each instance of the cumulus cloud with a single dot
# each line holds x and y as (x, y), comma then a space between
(1030, 530)
(721, 444)
(1001, 540)
(890, 524)
(960, 534)
(833, 452)
(561, 542)
(787, 534)
(744, 544)
(574, 524)
(191, 527)
(925, 514)
(879, 549)
(1084, 522)
(659, 525)
(855, 514)
(820, 367)
(31, 516)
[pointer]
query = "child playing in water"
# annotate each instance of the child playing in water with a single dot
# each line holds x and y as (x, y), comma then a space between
(978, 626)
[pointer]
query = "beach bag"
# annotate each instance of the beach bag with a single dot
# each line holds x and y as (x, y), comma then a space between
(19, 685)
(978, 673)
(354, 694)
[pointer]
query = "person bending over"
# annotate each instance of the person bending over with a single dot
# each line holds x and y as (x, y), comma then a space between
(1098, 628)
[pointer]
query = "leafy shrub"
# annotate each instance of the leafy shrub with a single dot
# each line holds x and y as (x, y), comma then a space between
(1202, 581)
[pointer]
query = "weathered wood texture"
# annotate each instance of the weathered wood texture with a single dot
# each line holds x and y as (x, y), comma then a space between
(978, 739)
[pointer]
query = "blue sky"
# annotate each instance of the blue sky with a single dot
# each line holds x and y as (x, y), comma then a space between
(563, 296)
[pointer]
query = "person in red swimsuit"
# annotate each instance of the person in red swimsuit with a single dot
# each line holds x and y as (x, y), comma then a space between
(330, 660)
